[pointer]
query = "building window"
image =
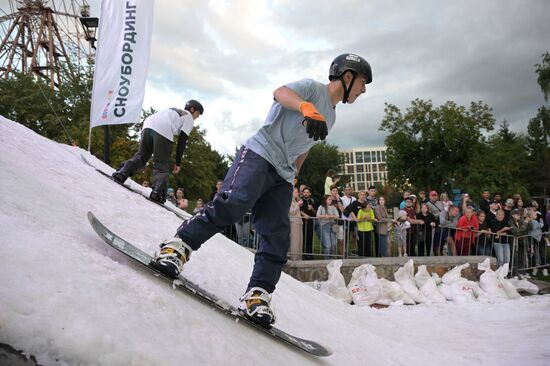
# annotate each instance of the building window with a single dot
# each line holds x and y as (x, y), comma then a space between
(361, 186)
(360, 168)
(367, 156)
(383, 156)
(350, 169)
(358, 157)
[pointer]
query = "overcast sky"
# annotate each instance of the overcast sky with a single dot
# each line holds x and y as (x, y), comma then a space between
(231, 55)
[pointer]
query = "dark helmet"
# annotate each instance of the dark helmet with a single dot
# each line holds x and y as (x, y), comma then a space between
(193, 103)
(349, 61)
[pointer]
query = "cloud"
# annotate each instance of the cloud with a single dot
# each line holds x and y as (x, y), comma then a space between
(231, 55)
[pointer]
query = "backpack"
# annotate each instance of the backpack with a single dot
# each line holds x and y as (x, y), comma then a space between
(349, 208)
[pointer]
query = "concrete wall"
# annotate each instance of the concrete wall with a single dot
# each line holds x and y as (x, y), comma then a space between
(316, 270)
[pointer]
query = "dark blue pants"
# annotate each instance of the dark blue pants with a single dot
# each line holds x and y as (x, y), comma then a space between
(251, 183)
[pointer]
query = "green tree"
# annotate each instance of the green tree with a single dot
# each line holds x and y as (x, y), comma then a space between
(543, 71)
(320, 159)
(434, 148)
(538, 147)
(501, 165)
(35, 105)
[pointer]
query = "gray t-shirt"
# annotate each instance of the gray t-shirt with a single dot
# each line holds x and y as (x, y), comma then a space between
(283, 138)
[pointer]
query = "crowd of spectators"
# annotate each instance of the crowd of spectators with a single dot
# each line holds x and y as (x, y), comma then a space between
(424, 225)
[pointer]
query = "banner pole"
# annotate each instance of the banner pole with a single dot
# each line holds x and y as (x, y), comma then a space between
(90, 139)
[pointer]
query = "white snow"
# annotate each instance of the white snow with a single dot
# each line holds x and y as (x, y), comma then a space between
(65, 298)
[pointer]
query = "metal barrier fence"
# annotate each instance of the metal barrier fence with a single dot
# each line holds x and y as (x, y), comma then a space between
(315, 238)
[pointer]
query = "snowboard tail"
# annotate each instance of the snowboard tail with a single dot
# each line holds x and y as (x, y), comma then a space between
(203, 295)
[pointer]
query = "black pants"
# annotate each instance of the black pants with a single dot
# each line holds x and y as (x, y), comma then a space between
(411, 243)
(424, 240)
(365, 244)
(160, 147)
(307, 231)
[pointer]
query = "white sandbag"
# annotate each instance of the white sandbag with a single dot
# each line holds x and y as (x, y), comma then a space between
(445, 291)
(458, 289)
(503, 270)
(462, 291)
(509, 287)
(524, 285)
(375, 284)
(491, 282)
(430, 291)
(422, 276)
(335, 286)
(454, 274)
(485, 265)
(404, 276)
(478, 291)
(315, 284)
(428, 286)
(364, 287)
(436, 278)
(393, 291)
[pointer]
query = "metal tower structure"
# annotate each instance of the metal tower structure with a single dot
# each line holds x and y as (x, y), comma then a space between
(48, 39)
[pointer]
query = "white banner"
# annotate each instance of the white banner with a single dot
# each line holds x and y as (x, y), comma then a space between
(122, 58)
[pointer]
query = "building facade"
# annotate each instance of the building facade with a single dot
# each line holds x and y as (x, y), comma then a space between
(365, 166)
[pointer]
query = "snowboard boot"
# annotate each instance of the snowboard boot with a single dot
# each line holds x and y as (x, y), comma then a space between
(157, 197)
(119, 177)
(173, 255)
(255, 305)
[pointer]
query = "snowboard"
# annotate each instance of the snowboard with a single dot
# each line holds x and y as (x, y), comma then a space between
(179, 213)
(204, 296)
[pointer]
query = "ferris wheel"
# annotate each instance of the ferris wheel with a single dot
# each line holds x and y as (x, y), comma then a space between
(50, 39)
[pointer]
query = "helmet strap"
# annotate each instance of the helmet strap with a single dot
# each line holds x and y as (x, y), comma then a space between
(347, 89)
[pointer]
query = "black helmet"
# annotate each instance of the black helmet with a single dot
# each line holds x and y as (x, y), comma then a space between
(193, 103)
(349, 61)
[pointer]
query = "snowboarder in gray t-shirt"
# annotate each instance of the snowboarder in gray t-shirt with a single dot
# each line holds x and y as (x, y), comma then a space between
(261, 177)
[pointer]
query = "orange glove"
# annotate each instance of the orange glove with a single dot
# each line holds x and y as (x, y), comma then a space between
(316, 126)
(308, 110)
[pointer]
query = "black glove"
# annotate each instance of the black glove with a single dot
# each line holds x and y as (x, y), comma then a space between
(316, 129)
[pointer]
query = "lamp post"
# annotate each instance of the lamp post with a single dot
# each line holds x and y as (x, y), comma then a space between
(90, 25)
